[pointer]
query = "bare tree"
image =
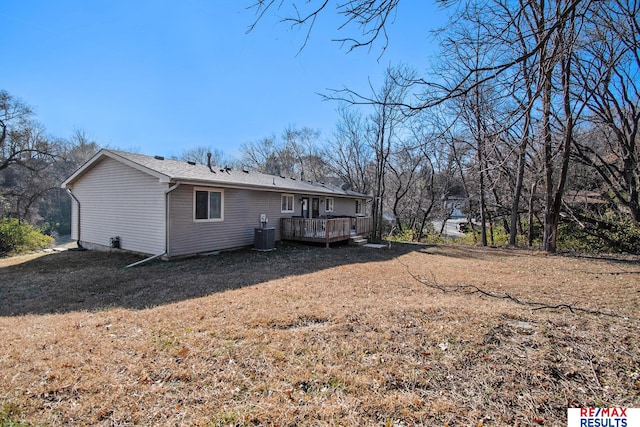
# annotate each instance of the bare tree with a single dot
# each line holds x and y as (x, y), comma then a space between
(26, 152)
(21, 139)
(200, 155)
(524, 93)
(262, 155)
(609, 71)
(349, 154)
(301, 150)
(404, 166)
(386, 122)
(77, 150)
(554, 59)
(296, 154)
(470, 50)
(370, 17)
(436, 168)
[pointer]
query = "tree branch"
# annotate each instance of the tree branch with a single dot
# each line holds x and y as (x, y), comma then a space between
(472, 289)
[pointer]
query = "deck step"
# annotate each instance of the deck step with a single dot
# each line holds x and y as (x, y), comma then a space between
(358, 240)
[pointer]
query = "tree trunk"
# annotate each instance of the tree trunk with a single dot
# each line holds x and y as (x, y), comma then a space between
(534, 187)
(549, 229)
(552, 244)
(631, 179)
(517, 193)
(483, 205)
(480, 155)
(554, 195)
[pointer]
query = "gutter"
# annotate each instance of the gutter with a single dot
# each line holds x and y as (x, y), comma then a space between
(273, 189)
(73, 196)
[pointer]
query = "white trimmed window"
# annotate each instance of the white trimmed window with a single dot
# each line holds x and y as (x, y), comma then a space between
(287, 203)
(208, 204)
(328, 204)
(359, 207)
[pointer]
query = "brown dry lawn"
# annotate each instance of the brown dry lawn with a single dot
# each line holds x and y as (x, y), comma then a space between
(309, 336)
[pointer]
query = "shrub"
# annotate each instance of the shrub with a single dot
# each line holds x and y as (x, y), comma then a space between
(434, 238)
(407, 235)
(609, 235)
(55, 228)
(8, 414)
(429, 236)
(495, 237)
(17, 238)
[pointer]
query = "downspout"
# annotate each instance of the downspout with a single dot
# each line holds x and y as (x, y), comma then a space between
(166, 216)
(166, 229)
(151, 258)
(73, 196)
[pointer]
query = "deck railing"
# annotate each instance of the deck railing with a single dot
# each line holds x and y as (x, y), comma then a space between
(363, 225)
(325, 230)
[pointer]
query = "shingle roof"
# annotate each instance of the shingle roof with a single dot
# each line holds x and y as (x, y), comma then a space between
(174, 171)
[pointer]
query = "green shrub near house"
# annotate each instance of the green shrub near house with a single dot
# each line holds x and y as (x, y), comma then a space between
(19, 237)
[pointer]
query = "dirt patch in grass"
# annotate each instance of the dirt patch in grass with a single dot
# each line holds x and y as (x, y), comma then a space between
(309, 336)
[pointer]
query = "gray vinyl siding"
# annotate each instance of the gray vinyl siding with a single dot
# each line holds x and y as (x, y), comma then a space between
(242, 209)
(342, 206)
(74, 220)
(118, 200)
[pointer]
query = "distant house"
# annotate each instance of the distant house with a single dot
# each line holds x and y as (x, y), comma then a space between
(455, 205)
(171, 208)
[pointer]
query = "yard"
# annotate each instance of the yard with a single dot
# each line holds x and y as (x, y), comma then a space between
(407, 335)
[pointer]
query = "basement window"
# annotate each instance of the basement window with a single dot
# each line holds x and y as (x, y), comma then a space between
(208, 204)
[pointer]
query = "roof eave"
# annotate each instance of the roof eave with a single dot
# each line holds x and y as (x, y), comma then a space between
(67, 183)
(275, 188)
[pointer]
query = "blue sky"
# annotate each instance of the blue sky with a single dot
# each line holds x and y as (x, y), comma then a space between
(159, 76)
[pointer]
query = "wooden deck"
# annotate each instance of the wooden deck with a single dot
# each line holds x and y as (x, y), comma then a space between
(324, 230)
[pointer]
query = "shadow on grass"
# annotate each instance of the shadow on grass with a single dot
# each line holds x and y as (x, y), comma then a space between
(90, 281)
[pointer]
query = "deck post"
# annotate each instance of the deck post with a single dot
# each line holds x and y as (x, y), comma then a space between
(326, 232)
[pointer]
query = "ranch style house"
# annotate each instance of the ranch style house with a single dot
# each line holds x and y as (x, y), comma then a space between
(169, 208)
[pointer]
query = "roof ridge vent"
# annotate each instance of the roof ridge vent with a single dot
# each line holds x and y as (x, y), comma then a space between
(158, 157)
(192, 163)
